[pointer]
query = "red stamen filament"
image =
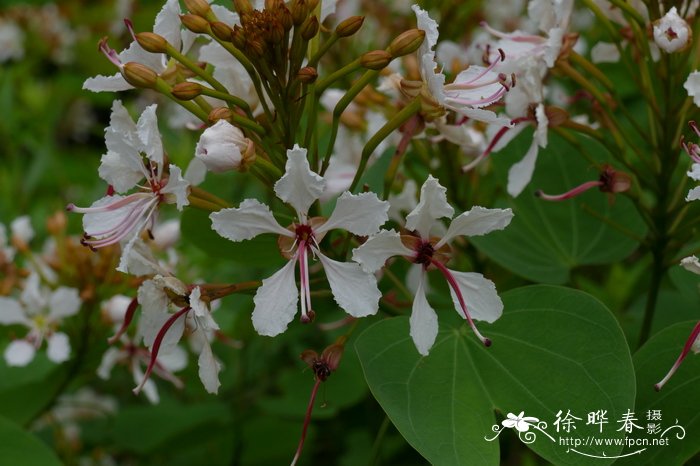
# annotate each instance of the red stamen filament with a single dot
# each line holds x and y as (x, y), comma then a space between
(571, 193)
(128, 317)
(686, 348)
(307, 420)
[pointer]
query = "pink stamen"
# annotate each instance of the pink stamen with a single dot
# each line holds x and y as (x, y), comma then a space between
(455, 287)
(130, 27)
(686, 348)
(569, 194)
(125, 228)
(156, 345)
(307, 420)
(118, 204)
(521, 38)
(497, 137)
(128, 317)
(483, 101)
(306, 310)
(110, 53)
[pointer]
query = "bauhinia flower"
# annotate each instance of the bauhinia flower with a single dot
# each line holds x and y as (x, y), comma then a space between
(693, 150)
(354, 290)
(223, 147)
(692, 85)
(474, 296)
(672, 33)
(114, 217)
(41, 311)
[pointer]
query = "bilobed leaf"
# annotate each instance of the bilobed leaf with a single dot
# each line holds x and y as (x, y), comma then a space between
(678, 401)
(20, 447)
(553, 349)
(546, 240)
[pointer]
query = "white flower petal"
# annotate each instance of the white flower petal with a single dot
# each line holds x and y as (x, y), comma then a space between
(19, 353)
(693, 194)
(209, 369)
(692, 85)
(174, 360)
(168, 24)
(276, 302)
(480, 296)
(691, 264)
(299, 187)
(361, 214)
(220, 147)
(605, 52)
(122, 165)
(154, 314)
(11, 312)
(196, 172)
(149, 388)
(249, 220)
(178, 187)
(201, 311)
(476, 222)
(432, 206)
(520, 174)
(21, 229)
(430, 26)
(58, 349)
(375, 251)
(140, 260)
(100, 83)
(64, 302)
(147, 129)
(32, 297)
(109, 359)
(353, 289)
(423, 321)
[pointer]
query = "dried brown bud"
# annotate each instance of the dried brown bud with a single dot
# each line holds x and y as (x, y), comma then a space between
(221, 30)
(407, 42)
(614, 181)
(238, 38)
(195, 23)
(285, 17)
(220, 113)
(187, 90)
(310, 28)
(349, 26)
(198, 7)
(556, 116)
(151, 42)
(376, 59)
(307, 75)
(139, 75)
(276, 33)
(242, 6)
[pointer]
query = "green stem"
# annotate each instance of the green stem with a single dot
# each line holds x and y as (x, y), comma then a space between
(377, 446)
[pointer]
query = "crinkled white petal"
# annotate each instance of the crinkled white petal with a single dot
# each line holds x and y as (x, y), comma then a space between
(605, 52)
(693, 194)
(276, 302)
(201, 311)
(423, 321)
(299, 187)
(154, 314)
(32, 297)
(64, 302)
(691, 264)
(122, 166)
(109, 359)
(692, 85)
(249, 220)
(58, 349)
(480, 296)
(11, 312)
(196, 172)
(432, 206)
(520, 174)
(435, 80)
(19, 353)
(178, 187)
(140, 260)
(147, 129)
(476, 222)
(430, 26)
(174, 360)
(361, 214)
(209, 369)
(404, 202)
(694, 172)
(376, 250)
(168, 24)
(225, 15)
(353, 289)
(100, 83)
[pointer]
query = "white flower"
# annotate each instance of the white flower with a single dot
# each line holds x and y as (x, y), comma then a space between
(692, 85)
(605, 52)
(22, 231)
(11, 41)
(672, 33)
(473, 296)
(41, 311)
(276, 300)
(223, 147)
(114, 217)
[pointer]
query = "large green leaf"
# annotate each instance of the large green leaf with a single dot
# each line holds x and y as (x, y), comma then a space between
(546, 240)
(553, 349)
(678, 401)
(20, 447)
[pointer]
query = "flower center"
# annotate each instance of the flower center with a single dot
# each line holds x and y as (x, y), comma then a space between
(424, 254)
(304, 232)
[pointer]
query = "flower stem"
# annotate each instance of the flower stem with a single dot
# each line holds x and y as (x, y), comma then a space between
(307, 420)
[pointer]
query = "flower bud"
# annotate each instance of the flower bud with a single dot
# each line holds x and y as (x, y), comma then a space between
(672, 33)
(375, 60)
(242, 6)
(614, 181)
(312, 4)
(407, 42)
(310, 28)
(198, 7)
(349, 26)
(151, 42)
(186, 90)
(285, 18)
(238, 38)
(556, 116)
(195, 23)
(222, 147)
(299, 10)
(221, 30)
(307, 75)
(139, 75)
(220, 113)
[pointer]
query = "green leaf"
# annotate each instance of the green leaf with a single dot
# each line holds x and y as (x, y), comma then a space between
(20, 447)
(678, 401)
(546, 240)
(260, 251)
(553, 349)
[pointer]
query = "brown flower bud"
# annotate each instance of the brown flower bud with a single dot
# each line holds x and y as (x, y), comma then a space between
(220, 113)
(312, 4)
(300, 11)
(221, 30)
(198, 7)
(285, 17)
(307, 75)
(195, 23)
(556, 116)
(349, 26)
(242, 6)
(310, 28)
(614, 181)
(407, 42)
(151, 42)
(139, 75)
(375, 60)
(238, 38)
(186, 90)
